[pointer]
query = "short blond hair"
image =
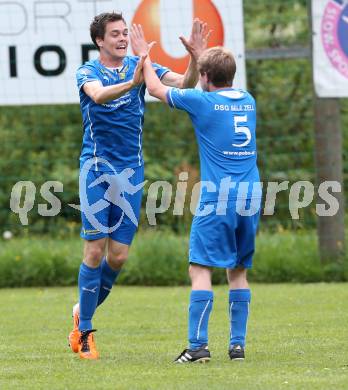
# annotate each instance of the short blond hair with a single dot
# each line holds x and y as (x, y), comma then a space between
(219, 65)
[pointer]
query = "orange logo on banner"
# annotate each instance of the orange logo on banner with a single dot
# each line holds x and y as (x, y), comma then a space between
(148, 15)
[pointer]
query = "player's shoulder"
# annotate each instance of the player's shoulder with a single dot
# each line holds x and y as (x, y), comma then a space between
(188, 91)
(130, 63)
(187, 95)
(235, 94)
(247, 94)
(88, 67)
(131, 60)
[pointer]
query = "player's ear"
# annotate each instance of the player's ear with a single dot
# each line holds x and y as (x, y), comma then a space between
(204, 76)
(99, 42)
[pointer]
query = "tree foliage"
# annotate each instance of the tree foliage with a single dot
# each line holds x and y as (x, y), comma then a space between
(43, 142)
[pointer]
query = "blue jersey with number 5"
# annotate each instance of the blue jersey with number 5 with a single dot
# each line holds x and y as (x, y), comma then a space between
(225, 124)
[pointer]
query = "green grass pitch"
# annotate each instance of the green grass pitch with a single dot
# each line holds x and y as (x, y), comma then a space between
(297, 339)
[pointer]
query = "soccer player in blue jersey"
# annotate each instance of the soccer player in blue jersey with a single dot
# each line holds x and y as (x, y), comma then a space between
(112, 92)
(224, 226)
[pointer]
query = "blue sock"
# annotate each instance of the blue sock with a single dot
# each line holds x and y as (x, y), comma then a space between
(238, 310)
(89, 286)
(201, 303)
(107, 279)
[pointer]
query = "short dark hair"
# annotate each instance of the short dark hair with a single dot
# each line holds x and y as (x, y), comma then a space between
(98, 25)
(219, 65)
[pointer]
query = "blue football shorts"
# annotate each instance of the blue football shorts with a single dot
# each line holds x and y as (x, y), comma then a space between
(224, 241)
(119, 211)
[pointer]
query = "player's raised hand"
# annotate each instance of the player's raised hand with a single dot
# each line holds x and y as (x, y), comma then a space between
(198, 40)
(138, 77)
(138, 42)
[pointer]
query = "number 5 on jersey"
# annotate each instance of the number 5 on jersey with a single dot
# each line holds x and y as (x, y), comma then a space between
(242, 129)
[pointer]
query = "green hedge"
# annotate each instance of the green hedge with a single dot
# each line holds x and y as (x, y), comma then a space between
(160, 258)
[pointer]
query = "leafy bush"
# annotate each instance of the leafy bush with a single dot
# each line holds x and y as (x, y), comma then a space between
(160, 259)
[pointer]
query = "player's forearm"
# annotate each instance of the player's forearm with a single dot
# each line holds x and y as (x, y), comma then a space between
(191, 76)
(104, 94)
(153, 83)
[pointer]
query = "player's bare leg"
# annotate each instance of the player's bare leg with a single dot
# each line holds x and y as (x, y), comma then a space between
(117, 254)
(237, 278)
(200, 277)
(94, 251)
(239, 299)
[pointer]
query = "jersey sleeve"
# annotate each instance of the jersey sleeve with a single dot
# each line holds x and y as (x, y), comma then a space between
(160, 70)
(185, 99)
(84, 75)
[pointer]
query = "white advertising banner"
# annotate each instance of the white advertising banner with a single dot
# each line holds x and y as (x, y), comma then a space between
(330, 47)
(43, 42)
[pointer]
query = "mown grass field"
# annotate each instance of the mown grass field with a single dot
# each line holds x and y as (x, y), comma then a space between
(297, 339)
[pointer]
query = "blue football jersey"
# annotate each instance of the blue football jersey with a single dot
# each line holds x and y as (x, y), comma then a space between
(113, 130)
(225, 124)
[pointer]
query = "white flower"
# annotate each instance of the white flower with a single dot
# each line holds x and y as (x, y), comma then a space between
(7, 235)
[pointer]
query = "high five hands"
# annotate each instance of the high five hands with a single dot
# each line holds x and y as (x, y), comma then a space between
(195, 44)
(198, 40)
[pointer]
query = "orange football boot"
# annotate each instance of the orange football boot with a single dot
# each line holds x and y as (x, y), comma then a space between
(75, 334)
(87, 347)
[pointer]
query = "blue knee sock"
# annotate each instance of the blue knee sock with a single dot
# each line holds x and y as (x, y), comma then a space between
(108, 277)
(238, 310)
(201, 303)
(89, 286)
